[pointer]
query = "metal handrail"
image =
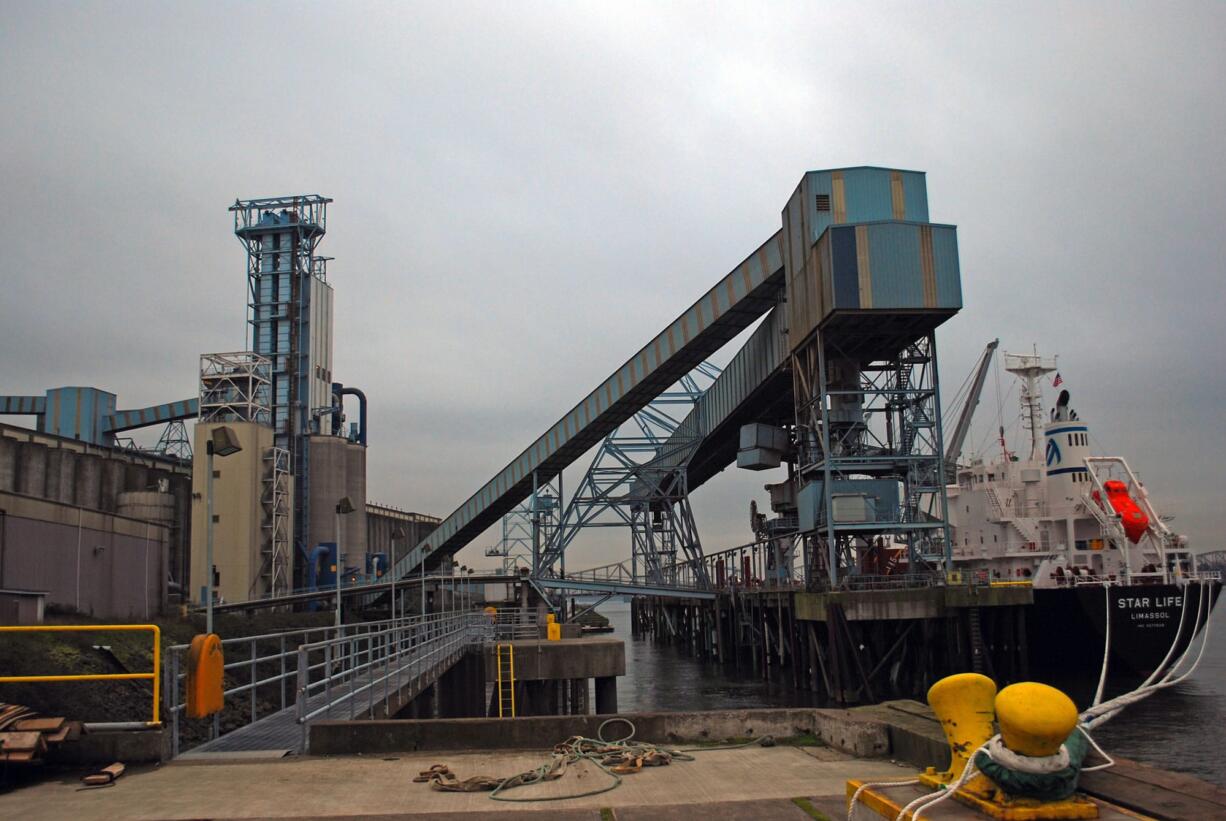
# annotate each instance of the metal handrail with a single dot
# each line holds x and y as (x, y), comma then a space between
(175, 671)
(359, 648)
(98, 628)
(399, 653)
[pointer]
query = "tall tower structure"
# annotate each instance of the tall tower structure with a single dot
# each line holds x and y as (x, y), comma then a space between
(869, 279)
(289, 315)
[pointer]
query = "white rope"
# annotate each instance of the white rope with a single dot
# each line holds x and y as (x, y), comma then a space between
(1101, 751)
(1102, 676)
(1095, 715)
(1037, 765)
(927, 802)
(1100, 713)
(851, 805)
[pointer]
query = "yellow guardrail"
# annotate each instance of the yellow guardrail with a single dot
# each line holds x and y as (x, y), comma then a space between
(98, 628)
(1023, 583)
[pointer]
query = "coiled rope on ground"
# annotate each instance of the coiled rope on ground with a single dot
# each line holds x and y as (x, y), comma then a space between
(615, 758)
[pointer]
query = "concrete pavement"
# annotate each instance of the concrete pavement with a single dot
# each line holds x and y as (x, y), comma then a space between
(752, 782)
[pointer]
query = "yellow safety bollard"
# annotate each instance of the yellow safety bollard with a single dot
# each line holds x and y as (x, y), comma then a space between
(1035, 719)
(964, 705)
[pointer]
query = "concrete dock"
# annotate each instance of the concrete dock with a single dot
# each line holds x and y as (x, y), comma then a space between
(754, 782)
(803, 776)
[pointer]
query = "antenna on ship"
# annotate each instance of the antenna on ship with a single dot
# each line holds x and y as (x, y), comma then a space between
(1029, 367)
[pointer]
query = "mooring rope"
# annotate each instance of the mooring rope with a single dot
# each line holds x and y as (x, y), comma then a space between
(1098, 713)
(615, 758)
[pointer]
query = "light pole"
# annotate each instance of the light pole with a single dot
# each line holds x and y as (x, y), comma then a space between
(397, 533)
(222, 442)
(343, 508)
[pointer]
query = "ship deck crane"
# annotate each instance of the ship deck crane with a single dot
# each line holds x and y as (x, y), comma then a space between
(958, 438)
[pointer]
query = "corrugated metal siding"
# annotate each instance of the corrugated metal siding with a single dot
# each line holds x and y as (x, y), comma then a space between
(863, 194)
(948, 270)
(896, 279)
(880, 266)
(915, 196)
(868, 194)
(827, 269)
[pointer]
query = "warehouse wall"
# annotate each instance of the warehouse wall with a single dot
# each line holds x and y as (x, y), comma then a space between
(382, 521)
(96, 478)
(101, 564)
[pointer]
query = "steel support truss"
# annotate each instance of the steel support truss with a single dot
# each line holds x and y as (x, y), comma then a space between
(624, 487)
(528, 527)
(870, 416)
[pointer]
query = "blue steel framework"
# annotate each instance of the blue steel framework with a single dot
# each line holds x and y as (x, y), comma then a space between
(528, 526)
(869, 280)
(866, 279)
(623, 485)
(863, 421)
(89, 414)
(281, 236)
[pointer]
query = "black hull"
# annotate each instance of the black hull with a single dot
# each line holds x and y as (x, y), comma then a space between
(1067, 627)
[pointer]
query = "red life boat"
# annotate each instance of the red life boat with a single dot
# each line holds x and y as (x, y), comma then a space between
(1133, 519)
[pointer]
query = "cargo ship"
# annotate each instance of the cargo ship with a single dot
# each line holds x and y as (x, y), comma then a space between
(1106, 568)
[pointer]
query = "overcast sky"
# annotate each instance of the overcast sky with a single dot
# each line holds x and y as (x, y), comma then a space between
(526, 193)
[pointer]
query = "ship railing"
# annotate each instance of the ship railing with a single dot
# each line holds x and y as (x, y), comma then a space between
(1093, 580)
(890, 582)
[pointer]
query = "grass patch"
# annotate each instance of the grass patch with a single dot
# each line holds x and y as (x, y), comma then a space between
(807, 807)
(51, 653)
(802, 740)
(606, 814)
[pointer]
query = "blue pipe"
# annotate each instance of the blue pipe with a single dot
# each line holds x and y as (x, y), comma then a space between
(318, 552)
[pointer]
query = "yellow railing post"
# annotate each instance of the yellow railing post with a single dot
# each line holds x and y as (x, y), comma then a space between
(99, 628)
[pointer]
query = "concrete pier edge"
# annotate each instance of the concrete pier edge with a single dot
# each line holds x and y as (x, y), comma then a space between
(855, 735)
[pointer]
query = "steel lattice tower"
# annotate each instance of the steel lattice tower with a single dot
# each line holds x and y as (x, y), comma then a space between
(290, 323)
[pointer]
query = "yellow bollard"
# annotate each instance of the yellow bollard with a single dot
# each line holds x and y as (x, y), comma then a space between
(963, 704)
(1035, 719)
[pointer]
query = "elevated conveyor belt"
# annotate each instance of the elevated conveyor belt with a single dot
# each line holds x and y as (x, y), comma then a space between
(755, 387)
(751, 289)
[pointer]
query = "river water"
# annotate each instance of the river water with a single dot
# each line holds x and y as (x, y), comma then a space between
(1180, 728)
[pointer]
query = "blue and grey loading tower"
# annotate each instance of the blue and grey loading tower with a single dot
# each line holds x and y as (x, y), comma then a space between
(869, 279)
(289, 316)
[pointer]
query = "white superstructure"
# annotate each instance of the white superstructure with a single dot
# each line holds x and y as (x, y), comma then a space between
(1053, 514)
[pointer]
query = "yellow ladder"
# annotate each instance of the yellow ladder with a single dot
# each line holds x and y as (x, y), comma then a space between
(506, 680)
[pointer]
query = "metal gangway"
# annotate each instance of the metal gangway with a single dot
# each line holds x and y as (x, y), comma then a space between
(281, 682)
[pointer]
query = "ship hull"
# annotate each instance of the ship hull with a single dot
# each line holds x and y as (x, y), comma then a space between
(1068, 626)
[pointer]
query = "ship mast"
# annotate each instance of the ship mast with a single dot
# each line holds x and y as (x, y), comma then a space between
(1029, 367)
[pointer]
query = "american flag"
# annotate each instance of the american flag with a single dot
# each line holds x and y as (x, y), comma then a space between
(1058, 381)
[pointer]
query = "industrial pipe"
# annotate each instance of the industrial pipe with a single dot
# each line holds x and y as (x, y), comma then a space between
(339, 391)
(316, 554)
